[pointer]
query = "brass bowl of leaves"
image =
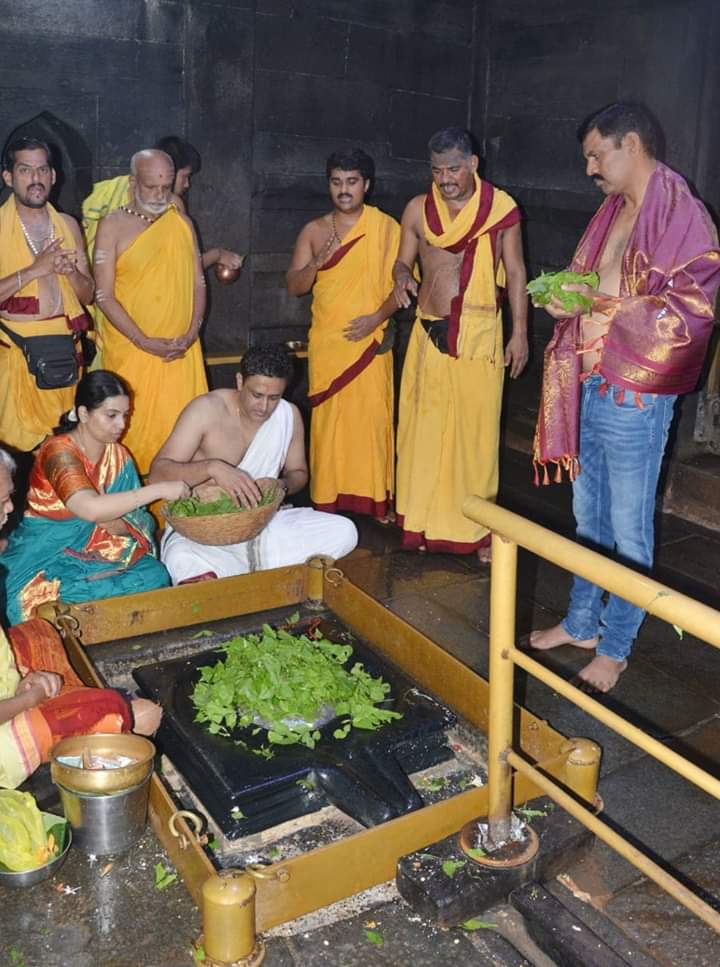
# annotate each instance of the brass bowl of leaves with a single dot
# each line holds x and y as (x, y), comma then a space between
(210, 515)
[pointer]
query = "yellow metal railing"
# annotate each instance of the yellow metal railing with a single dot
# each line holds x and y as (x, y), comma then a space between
(509, 531)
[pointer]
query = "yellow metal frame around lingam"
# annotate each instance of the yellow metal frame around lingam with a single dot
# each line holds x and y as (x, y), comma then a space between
(293, 887)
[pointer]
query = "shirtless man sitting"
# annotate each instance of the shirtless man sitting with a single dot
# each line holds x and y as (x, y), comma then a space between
(232, 437)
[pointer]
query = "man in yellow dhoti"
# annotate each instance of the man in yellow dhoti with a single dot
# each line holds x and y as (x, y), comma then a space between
(151, 291)
(346, 257)
(467, 235)
(44, 280)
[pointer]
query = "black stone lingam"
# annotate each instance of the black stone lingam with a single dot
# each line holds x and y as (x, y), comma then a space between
(365, 775)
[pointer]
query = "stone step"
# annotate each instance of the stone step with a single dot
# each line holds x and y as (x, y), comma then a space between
(692, 490)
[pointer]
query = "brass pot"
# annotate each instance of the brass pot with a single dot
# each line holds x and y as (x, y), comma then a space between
(99, 781)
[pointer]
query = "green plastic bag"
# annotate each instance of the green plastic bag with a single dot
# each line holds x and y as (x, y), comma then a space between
(23, 840)
(550, 284)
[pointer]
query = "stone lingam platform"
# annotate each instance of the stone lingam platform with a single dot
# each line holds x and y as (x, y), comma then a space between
(364, 775)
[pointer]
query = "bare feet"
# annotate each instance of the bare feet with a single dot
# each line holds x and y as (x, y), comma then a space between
(484, 554)
(602, 673)
(554, 637)
(387, 519)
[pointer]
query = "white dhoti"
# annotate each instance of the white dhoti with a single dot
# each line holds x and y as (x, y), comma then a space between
(291, 537)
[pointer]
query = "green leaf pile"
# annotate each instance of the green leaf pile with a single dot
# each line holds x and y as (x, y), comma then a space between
(286, 680)
(550, 284)
(224, 504)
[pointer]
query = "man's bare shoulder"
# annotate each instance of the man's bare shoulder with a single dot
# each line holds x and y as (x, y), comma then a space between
(213, 404)
(318, 227)
(114, 221)
(71, 225)
(69, 221)
(414, 208)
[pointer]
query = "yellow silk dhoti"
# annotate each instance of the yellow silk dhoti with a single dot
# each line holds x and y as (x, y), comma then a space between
(27, 413)
(448, 439)
(154, 283)
(449, 426)
(351, 385)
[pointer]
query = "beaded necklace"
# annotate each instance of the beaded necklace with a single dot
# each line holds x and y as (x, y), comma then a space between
(131, 211)
(36, 245)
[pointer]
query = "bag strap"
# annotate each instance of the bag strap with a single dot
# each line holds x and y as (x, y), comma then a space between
(18, 340)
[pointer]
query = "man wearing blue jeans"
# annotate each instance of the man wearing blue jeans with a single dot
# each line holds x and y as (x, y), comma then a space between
(612, 376)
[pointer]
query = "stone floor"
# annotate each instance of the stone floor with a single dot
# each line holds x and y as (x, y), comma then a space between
(97, 914)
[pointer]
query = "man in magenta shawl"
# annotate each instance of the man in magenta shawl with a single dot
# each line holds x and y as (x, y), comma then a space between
(612, 376)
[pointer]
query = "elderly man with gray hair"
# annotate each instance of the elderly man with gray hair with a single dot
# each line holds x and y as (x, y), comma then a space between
(151, 293)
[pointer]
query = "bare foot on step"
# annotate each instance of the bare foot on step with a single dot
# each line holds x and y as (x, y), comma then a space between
(554, 637)
(601, 674)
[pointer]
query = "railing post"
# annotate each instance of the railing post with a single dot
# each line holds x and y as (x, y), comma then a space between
(500, 732)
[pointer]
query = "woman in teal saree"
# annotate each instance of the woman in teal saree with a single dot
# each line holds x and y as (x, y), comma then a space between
(85, 533)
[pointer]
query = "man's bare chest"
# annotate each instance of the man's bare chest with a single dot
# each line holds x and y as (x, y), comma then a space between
(226, 441)
(616, 244)
(434, 259)
(129, 230)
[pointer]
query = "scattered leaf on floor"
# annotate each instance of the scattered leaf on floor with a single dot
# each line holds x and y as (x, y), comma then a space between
(525, 813)
(163, 877)
(375, 937)
(450, 867)
(106, 869)
(202, 634)
(433, 783)
(474, 924)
